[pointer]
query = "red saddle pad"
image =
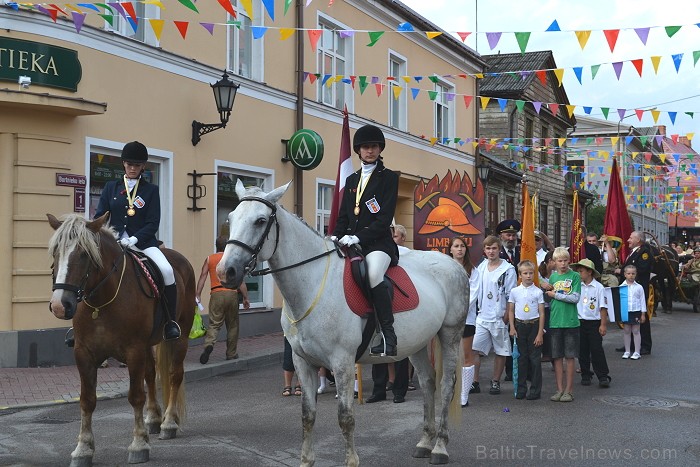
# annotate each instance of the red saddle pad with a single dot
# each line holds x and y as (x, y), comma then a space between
(358, 302)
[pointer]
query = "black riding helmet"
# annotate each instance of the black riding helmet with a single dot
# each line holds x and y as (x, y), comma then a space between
(368, 134)
(135, 152)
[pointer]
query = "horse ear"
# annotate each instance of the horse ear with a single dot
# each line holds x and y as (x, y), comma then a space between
(240, 189)
(53, 222)
(277, 193)
(96, 224)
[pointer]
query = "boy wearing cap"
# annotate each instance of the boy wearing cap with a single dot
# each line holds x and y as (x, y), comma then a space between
(593, 319)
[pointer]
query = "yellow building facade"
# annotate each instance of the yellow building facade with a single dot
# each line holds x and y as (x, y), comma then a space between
(59, 146)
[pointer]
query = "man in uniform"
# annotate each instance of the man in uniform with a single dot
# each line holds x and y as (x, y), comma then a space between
(642, 257)
(507, 231)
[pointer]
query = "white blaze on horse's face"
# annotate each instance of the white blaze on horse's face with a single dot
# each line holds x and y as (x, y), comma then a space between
(248, 224)
(61, 271)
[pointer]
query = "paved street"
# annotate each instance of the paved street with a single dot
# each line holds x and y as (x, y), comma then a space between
(647, 417)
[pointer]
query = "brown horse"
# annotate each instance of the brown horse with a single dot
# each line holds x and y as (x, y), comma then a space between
(115, 315)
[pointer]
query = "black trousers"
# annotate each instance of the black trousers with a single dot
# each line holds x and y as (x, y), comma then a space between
(591, 350)
(530, 358)
(380, 376)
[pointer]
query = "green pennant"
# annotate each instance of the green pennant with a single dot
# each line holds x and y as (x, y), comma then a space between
(108, 18)
(690, 156)
(520, 105)
(189, 4)
(643, 140)
(234, 23)
(690, 114)
(363, 84)
(374, 37)
(589, 140)
(605, 111)
(287, 4)
(432, 95)
(434, 79)
(522, 38)
(594, 71)
(671, 30)
(696, 56)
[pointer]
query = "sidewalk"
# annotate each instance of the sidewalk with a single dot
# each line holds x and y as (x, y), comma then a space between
(33, 387)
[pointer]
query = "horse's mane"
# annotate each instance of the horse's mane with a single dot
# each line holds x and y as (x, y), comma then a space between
(73, 230)
(257, 192)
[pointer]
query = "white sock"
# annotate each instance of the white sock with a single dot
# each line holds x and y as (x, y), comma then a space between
(322, 385)
(467, 380)
(356, 386)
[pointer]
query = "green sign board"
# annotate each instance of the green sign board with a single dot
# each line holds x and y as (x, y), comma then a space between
(46, 65)
(305, 149)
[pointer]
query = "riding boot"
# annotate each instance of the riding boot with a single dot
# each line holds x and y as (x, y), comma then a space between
(382, 306)
(172, 329)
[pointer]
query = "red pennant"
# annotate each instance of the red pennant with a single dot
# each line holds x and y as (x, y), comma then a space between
(352, 81)
(542, 75)
(674, 138)
(547, 141)
(129, 8)
(53, 14)
(554, 108)
(640, 113)
(226, 4)
(463, 35)
(638, 65)
(182, 27)
(53, 5)
(314, 36)
(468, 100)
(611, 36)
(599, 141)
(378, 87)
(312, 78)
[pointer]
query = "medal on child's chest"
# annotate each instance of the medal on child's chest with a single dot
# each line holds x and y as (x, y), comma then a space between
(592, 307)
(527, 308)
(356, 210)
(489, 296)
(131, 212)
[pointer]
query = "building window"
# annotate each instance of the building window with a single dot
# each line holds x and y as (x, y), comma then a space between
(557, 226)
(493, 214)
(245, 54)
(139, 29)
(227, 201)
(529, 134)
(510, 207)
(333, 55)
(324, 202)
(444, 110)
(544, 213)
(397, 106)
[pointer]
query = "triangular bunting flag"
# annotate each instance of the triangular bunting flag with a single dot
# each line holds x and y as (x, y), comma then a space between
(638, 65)
(671, 30)
(374, 37)
(463, 35)
(655, 59)
(191, 6)
(553, 27)
(582, 37)
(493, 38)
(182, 27)
(286, 33)
(157, 27)
(314, 36)
(643, 34)
(611, 37)
(617, 66)
(468, 100)
(522, 38)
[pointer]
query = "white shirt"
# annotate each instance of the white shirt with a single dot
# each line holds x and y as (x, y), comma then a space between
(526, 301)
(541, 253)
(474, 283)
(493, 295)
(591, 301)
(635, 297)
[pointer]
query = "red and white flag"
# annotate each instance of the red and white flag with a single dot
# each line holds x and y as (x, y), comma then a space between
(344, 170)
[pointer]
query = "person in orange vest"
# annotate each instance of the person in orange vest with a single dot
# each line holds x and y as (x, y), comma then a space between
(223, 306)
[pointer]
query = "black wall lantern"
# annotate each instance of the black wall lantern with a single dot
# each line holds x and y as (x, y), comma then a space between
(224, 95)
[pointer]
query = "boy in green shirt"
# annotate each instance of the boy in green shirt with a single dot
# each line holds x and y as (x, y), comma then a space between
(563, 323)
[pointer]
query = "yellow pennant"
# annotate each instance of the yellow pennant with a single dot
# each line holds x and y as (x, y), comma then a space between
(432, 34)
(634, 155)
(286, 33)
(570, 109)
(614, 140)
(690, 136)
(478, 75)
(484, 102)
(475, 144)
(157, 26)
(100, 157)
(157, 3)
(406, 79)
(583, 37)
(397, 91)
(248, 5)
(71, 7)
(433, 140)
(655, 114)
(662, 157)
(559, 73)
(655, 59)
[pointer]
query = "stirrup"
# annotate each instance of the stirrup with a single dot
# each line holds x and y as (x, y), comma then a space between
(70, 338)
(383, 352)
(179, 331)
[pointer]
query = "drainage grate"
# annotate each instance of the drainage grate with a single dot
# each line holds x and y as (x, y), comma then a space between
(636, 401)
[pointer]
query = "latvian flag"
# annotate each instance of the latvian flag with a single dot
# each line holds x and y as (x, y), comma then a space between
(616, 301)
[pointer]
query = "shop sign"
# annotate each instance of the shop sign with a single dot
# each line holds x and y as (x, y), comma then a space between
(78, 199)
(70, 180)
(305, 149)
(46, 65)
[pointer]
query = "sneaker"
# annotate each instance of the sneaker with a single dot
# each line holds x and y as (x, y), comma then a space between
(495, 387)
(604, 382)
(475, 389)
(626, 355)
(636, 356)
(586, 381)
(556, 397)
(566, 397)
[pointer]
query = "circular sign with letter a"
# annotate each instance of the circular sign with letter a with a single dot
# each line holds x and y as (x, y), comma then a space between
(305, 149)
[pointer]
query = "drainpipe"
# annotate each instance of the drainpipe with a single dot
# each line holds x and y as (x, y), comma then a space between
(298, 173)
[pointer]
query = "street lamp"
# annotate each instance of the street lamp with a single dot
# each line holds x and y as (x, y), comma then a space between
(483, 172)
(224, 95)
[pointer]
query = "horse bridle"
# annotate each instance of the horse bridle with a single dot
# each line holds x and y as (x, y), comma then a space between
(79, 291)
(250, 266)
(254, 251)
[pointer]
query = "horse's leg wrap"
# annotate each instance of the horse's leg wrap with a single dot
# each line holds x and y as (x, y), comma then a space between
(172, 329)
(382, 305)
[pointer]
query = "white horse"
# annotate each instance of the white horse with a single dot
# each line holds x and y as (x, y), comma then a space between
(322, 329)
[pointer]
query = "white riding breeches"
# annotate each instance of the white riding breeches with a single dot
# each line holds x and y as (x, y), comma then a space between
(156, 255)
(377, 264)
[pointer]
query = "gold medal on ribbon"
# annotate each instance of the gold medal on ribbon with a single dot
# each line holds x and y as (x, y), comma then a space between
(526, 309)
(357, 210)
(131, 212)
(131, 197)
(592, 306)
(358, 193)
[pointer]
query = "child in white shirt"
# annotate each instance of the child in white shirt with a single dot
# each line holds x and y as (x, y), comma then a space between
(636, 314)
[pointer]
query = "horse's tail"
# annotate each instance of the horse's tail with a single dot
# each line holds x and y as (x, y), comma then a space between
(455, 409)
(165, 352)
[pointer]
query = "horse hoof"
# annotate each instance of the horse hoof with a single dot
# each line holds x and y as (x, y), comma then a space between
(153, 428)
(421, 453)
(439, 459)
(139, 457)
(168, 433)
(81, 462)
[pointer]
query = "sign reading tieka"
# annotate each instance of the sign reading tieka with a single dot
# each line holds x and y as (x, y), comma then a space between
(46, 65)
